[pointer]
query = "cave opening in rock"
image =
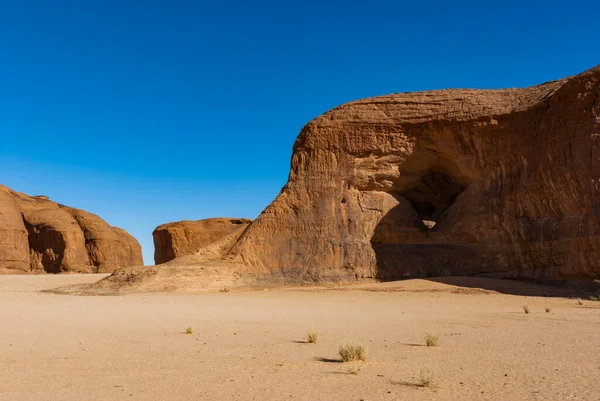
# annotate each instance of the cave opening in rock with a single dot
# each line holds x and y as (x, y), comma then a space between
(423, 205)
(432, 195)
(47, 248)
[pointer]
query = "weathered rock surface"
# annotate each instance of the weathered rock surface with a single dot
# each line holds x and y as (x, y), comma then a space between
(14, 248)
(108, 248)
(181, 238)
(510, 177)
(38, 235)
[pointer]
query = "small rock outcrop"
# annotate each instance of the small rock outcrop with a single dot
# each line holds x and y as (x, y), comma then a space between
(172, 240)
(38, 235)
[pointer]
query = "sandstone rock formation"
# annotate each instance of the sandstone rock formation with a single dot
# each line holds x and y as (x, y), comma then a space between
(38, 235)
(108, 248)
(510, 177)
(172, 240)
(501, 183)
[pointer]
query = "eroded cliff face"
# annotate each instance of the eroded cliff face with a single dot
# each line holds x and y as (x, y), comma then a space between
(108, 248)
(495, 182)
(38, 235)
(172, 240)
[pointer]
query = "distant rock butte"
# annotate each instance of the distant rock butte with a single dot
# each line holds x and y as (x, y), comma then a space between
(181, 238)
(501, 183)
(38, 235)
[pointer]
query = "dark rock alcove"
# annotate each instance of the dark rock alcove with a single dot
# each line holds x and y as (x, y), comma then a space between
(404, 241)
(433, 194)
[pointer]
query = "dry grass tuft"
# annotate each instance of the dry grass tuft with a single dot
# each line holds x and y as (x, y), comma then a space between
(312, 337)
(189, 330)
(548, 310)
(350, 352)
(224, 289)
(431, 340)
(525, 308)
(353, 370)
(579, 302)
(427, 379)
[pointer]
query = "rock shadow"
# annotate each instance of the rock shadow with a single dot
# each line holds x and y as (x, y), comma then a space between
(415, 240)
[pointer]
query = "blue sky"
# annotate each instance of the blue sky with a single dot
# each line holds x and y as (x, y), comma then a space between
(146, 112)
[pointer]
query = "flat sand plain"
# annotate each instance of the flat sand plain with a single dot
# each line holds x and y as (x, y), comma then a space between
(249, 345)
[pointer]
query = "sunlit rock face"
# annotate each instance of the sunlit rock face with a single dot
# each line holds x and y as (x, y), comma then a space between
(172, 240)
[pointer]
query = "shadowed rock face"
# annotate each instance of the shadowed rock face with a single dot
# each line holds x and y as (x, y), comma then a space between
(495, 182)
(181, 238)
(39, 235)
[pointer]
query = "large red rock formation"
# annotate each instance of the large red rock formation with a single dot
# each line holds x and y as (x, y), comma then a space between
(39, 235)
(502, 183)
(181, 238)
(511, 179)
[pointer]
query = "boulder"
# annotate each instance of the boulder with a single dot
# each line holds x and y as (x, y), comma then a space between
(181, 238)
(38, 235)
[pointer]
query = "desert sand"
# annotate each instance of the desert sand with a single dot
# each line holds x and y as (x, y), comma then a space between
(249, 345)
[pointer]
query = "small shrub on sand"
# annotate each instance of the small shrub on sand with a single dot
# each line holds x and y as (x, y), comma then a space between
(525, 308)
(189, 330)
(431, 340)
(427, 379)
(224, 289)
(594, 298)
(353, 370)
(579, 302)
(312, 337)
(548, 310)
(351, 353)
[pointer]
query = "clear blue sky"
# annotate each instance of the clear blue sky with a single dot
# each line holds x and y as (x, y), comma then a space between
(146, 112)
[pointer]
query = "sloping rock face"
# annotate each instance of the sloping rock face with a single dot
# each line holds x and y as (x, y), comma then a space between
(108, 248)
(38, 235)
(451, 182)
(181, 238)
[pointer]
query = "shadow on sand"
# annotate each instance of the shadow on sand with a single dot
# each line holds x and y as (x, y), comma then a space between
(518, 287)
(328, 360)
(405, 383)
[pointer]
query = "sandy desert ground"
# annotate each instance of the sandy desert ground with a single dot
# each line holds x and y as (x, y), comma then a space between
(250, 345)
